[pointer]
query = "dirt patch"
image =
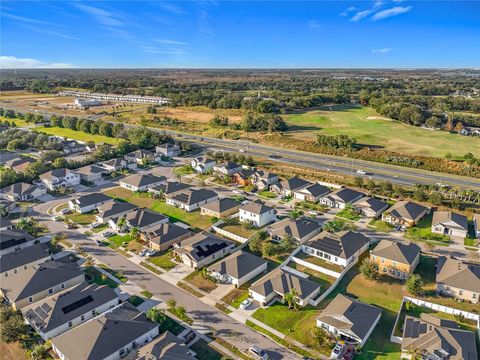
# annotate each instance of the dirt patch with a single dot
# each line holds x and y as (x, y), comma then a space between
(12, 351)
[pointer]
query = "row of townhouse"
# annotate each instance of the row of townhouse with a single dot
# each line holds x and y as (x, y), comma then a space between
(116, 97)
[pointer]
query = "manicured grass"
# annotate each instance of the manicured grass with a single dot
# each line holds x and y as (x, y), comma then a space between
(317, 261)
(223, 308)
(17, 122)
(163, 260)
(197, 279)
(97, 278)
(150, 267)
(240, 230)
(349, 214)
(423, 231)
(381, 225)
(323, 280)
(135, 300)
(81, 219)
(118, 240)
(267, 194)
(77, 135)
(204, 351)
(118, 275)
(364, 124)
(99, 228)
(235, 297)
(175, 214)
(183, 170)
(146, 294)
(171, 325)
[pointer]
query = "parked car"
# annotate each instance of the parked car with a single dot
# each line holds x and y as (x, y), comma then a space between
(349, 353)
(338, 350)
(108, 233)
(258, 353)
(361, 172)
(245, 304)
(95, 225)
(151, 252)
(143, 252)
(313, 213)
(189, 336)
(99, 243)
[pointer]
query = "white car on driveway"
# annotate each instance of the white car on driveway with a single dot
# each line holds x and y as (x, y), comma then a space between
(143, 252)
(245, 304)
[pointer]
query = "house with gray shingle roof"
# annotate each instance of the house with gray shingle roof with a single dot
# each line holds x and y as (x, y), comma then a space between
(263, 179)
(191, 199)
(142, 182)
(257, 213)
(436, 338)
(371, 207)
(40, 281)
(14, 240)
(459, 279)
(227, 168)
(22, 259)
(311, 192)
(281, 281)
(203, 165)
(57, 179)
(450, 223)
(301, 229)
(168, 187)
(113, 209)
(19, 164)
(341, 248)
(141, 219)
(164, 347)
(238, 268)
(92, 173)
(22, 192)
(220, 208)
(406, 213)
(112, 335)
(165, 235)
(61, 312)
(348, 318)
(396, 259)
(341, 197)
(86, 203)
(288, 186)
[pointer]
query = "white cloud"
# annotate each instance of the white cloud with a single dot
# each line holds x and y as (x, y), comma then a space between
(104, 17)
(170, 42)
(313, 24)
(397, 10)
(361, 14)
(12, 62)
(381, 51)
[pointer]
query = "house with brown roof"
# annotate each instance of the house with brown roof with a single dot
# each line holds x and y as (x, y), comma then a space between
(349, 319)
(238, 268)
(19, 164)
(220, 208)
(405, 213)
(435, 338)
(459, 279)
(396, 259)
(257, 213)
(450, 223)
(163, 236)
(281, 281)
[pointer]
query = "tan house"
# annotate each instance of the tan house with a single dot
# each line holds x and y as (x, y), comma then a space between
(450, 224)
(458, 279)
(164, 236)
(396, 259)
(405, 213)
(220, 208)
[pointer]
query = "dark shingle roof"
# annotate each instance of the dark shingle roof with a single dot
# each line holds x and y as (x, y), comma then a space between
(256, 207)
(10, 238)
(24, 256)
(343, 244)
(18, 189)
(407, 210)
(450, 219)
(404, 253)
(294, 183)
(297, 228)
(316, 189)
(201, 246)
(91, 199)
(192, 196)
(346, 194)
(221, 205)
(163, 233)
(457, 273)
(112, 208)
(372, 203)
(238, 264)
(170, 187)
(143, 217)
(139, 180)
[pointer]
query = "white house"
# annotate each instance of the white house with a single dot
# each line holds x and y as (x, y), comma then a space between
(92, 173)
(22, 192)
(450, 224)
(227, 168)
(142, 182)
(60, 178)
(191, 199)
(168, 149)
(86, 203)
(257, 213)
(263, 179)
(203, 165)
(341, 197)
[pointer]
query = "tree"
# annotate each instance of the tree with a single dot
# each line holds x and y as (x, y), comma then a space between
(415, 284)
(320, 336)
(134, 233)
(369, 269)
(358, 181)
(268, 249)
(156, 315)
(171, 303)
(60, 163)
(13, 326)
(288, 243)
(291, 299)
(181, 312)
(40, 351)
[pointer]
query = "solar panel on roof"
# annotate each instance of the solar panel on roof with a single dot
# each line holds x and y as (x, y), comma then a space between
(77, 304)
(209, 249)
(328, 245)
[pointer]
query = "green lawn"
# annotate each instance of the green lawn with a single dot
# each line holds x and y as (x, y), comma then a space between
(77, 135)
(17, 122)
(240, 230)
(349, 214)
(183, 170)
(267, 194)
(175, 214)
(364, 124)
(381, 225)
(93, 275)
(135, 300)
(163, 260)
(118, 240)
(422, 231)
(204, 351)
(171, 325)
(236, 297)
(81, 219)
(323, 280)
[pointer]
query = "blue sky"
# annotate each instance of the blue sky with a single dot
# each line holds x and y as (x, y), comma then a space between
(335, 34)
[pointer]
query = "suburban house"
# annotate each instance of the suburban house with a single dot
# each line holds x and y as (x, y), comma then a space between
(242, 178)
(22, 192)
(165, 235)
(141, 219)
(86, 203)
(191, 199)
(118, 164)
(476, 224)
(238, 268)
(396, 259)
(405, 213)
(140, 156)
(110, 336)
(450, 224)
(114, 209)
(14, 240)
(436, 338)
(371, 207)
(61, 312)
(40, 281)
(203, 165)
(281, 281)
(458, 278)
(202, 249)
(257, 213)
(168, 187)
(72, 146)
(220, 208)
(92, 173)
(168, 149)
(349, 319)
(227, 168)
(5, 224)
(312, 192)
(263, 179)
(166, 346)
(142, 182)
(289, 186)
(301, 229)
(341, 197)
(340, 248)
(19, 164)
(22, 259)
(60, 178)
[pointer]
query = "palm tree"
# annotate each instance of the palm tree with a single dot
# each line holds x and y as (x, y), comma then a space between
(134, 233)
(415, 354)
(121, 222)
(290, 299)
(156, 315)
(171, 303)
